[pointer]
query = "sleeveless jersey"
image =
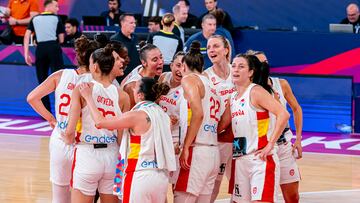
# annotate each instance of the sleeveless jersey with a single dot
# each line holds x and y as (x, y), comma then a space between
(171, 104)
(133, 76)
(250, 125)
(69, 79)
(106, 100)
(207, 134)
(224, 88)
(142, 147)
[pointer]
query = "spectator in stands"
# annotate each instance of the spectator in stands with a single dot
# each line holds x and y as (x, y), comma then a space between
(49, 33)
(191, 19)
(113, 14)
(72, 32)
(352, 11)
(211, 5)
(126, 35)
(154, 24)
(18, 15)
(208, 28)
(168, 43)
(181, 14)
(220, 30)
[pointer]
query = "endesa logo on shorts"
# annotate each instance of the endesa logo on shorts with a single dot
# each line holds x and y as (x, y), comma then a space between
(149, 164)
(211, 128)
(62, 124)
(102, 139)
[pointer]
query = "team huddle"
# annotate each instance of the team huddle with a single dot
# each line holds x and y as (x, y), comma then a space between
(188, 127)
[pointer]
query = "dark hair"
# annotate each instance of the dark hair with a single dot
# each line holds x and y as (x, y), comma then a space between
(104, 58)
(155, 19)
(119, 2)
(193, 58)
(220, 15)
(261, 71)
(168, 19)
(73, 22)
(145, 49)
(101, 39)
(179, 53)
(151, 89)
(47, 2)
(122, 16)
(84, 48)
(120, 49)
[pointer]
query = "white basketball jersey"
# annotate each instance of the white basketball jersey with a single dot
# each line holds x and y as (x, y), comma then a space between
(171, 104)
(134, 75)
(69, 79)
(250, 125)
(107, 102)
(224, 88)
(207, 134)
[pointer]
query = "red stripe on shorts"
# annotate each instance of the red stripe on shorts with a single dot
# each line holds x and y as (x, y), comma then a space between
(72, 169)
(182, 181)
(232, 177)
(128, 179)
(269, 184)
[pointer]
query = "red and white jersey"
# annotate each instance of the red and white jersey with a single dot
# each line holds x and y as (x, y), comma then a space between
(207, 134)
(142, 147)
(69, 79)
(107, 102)
(170, 103)
(224, 88)
(250, 125)
(133, 76)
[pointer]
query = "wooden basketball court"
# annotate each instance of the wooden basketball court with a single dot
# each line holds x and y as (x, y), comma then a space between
(25, 173)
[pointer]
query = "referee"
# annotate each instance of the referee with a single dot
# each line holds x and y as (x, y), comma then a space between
(49, 33)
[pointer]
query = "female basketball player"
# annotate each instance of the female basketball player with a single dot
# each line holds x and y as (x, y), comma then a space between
(289, 171)
(151, 154)
(256, 167)
(152, 63)
(199, 115)
(219, 52)
(96, 149)
(171, 103)
(63, 83)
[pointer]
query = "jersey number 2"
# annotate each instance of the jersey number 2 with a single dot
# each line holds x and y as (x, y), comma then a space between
(214, 108)
(66, 103)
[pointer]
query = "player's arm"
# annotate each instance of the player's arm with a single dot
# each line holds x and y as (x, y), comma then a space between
(225, 120)
(74, 116)
(193, 96)
(124, 103)
(297, 112)
(45, 88)
(129, 89)
(260, 98)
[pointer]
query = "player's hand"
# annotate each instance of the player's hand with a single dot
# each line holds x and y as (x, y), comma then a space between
(28, 60)
(264, 152)
(177, 148)
(52, 122)
(12, 21)
(85, 90)
(174, 120)
(183, 159)
(297, 146)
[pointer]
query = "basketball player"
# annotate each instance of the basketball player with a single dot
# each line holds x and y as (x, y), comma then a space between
(152, 63)
(96, 149)
(171, 103)
(289, 171)
(63, 83)
(151, 155)
(256, 169)
(199, 115)
(219, 52)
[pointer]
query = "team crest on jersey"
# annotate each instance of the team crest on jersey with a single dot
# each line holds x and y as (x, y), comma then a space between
(176, 94)
(292, 172)
(254, 190)
(242, 102)
(70, 86)
(213, 79)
